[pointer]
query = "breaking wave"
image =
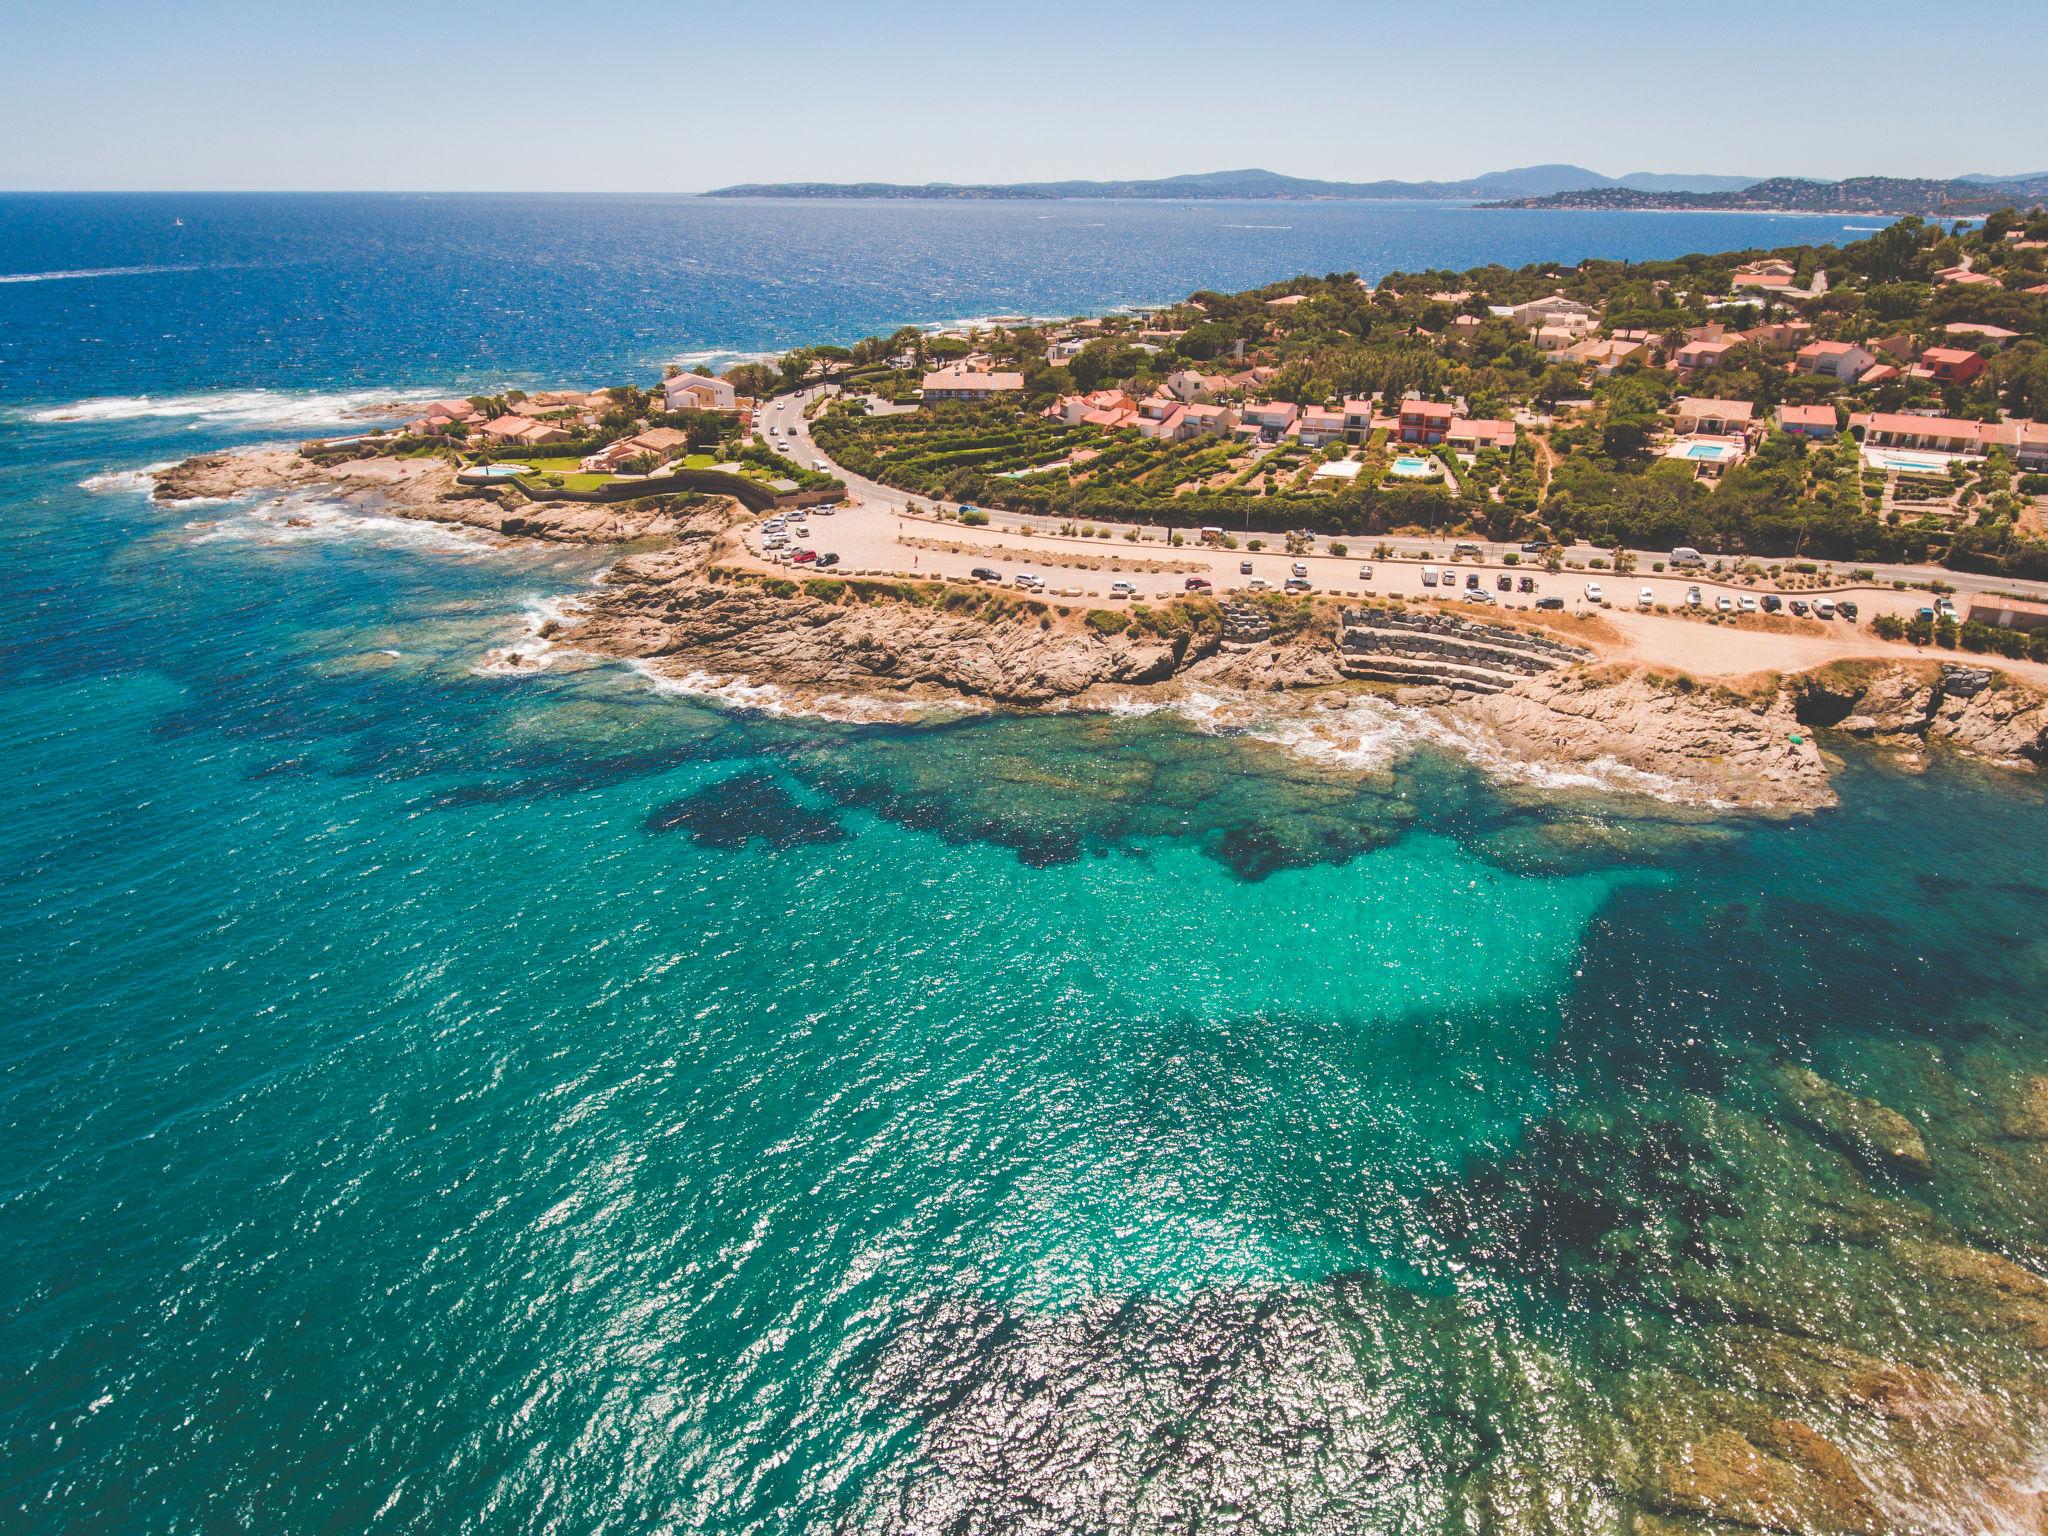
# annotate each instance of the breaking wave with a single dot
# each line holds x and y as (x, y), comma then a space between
(235, 407)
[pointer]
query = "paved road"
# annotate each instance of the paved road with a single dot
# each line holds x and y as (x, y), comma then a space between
(1328, 572)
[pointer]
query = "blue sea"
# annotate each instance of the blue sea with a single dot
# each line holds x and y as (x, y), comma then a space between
(440, 1101)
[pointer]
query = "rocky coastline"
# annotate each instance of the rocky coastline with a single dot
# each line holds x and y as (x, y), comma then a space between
(683, 609)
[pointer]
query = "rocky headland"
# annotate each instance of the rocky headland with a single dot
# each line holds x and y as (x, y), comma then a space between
(692, 607)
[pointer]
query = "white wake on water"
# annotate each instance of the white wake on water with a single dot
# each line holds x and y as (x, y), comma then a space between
(234, 407)
(305, 520)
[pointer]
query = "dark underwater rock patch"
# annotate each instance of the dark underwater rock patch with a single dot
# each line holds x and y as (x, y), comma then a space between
(750, 807)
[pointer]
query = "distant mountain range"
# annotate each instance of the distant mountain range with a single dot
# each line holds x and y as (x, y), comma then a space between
(1880, 195)
(1529, 181)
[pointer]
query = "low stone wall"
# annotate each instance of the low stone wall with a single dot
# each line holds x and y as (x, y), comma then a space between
(751, 494)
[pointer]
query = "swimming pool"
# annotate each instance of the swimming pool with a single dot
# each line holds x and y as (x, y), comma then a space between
(1713, 453)
(480, 473)
(1409, 467)
(1913, 465)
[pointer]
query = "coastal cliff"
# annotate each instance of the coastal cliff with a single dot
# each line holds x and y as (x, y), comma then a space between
(1539, 695)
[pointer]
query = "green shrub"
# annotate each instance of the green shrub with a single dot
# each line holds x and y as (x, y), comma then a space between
(1106, 621)
(974, 517)
(776, 586)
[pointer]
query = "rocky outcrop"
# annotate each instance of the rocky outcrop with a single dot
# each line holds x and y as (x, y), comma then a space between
(423, 488)
(664, 608)
(1871, 1133)
(1975, 710)
(1425, 649)
(1730, 749)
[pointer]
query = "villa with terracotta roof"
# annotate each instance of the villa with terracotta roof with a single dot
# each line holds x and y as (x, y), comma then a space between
(1469, 435)
(960, 383)
(1699, 356)
(1317, 427)
(1927, 434)
(439, 415)
(1964, 277)
(1187, 386)
(1842, 360)
(1993, 336)
(1268, 419)
(1713, 418)
(524, 430)
(1075, 409)
(1809, 421)
(1357, 420)
(1949, 365)
(1425, 421)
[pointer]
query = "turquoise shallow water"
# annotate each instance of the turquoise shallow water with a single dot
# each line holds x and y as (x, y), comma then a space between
(438, 1101)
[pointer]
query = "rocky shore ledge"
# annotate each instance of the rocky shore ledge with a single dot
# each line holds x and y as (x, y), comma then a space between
(1524, 692)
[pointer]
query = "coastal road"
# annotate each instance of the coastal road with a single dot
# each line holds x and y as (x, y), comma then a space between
(875, 533)
(873, 493)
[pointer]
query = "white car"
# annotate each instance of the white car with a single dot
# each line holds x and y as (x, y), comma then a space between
(1122, 589)
(819, 464)
(1029, 582)
(1365, 573)
(1746, 603)
(1646, 598)
(1725, 603)
(1692, 597)
(1593, 593)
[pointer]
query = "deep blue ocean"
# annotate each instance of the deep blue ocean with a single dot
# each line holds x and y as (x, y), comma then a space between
(436, 1101)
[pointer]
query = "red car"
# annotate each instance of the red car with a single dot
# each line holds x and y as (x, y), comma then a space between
(1196, 584)
(803, 557)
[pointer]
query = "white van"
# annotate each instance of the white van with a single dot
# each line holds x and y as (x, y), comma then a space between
(1685, 555)
(1429, 575)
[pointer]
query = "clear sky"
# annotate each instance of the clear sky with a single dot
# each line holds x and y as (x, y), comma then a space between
(680, 97)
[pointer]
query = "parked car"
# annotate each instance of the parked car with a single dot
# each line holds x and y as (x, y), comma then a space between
(1466, 551)
(1692, 597)
(985, 573)
(1528, 584)
(1847, 609)
(1799, 608)
(1429, 575)
(1244, 567)
(1122, 589)
(1030, 582)
(1365, 573)
(1471, 580)
(1550, 602)
(1746, 603)
(1259, 584)
(1772, 602)
(1504, 583)
(828, 558)
(1725, 603)
(802, 556)
(1824, 609)
(1646, 598)
(1300, 569)
(1535, 547)
(1593, 592)
(1196, 584)
(1295, 584)
(1478, 595)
